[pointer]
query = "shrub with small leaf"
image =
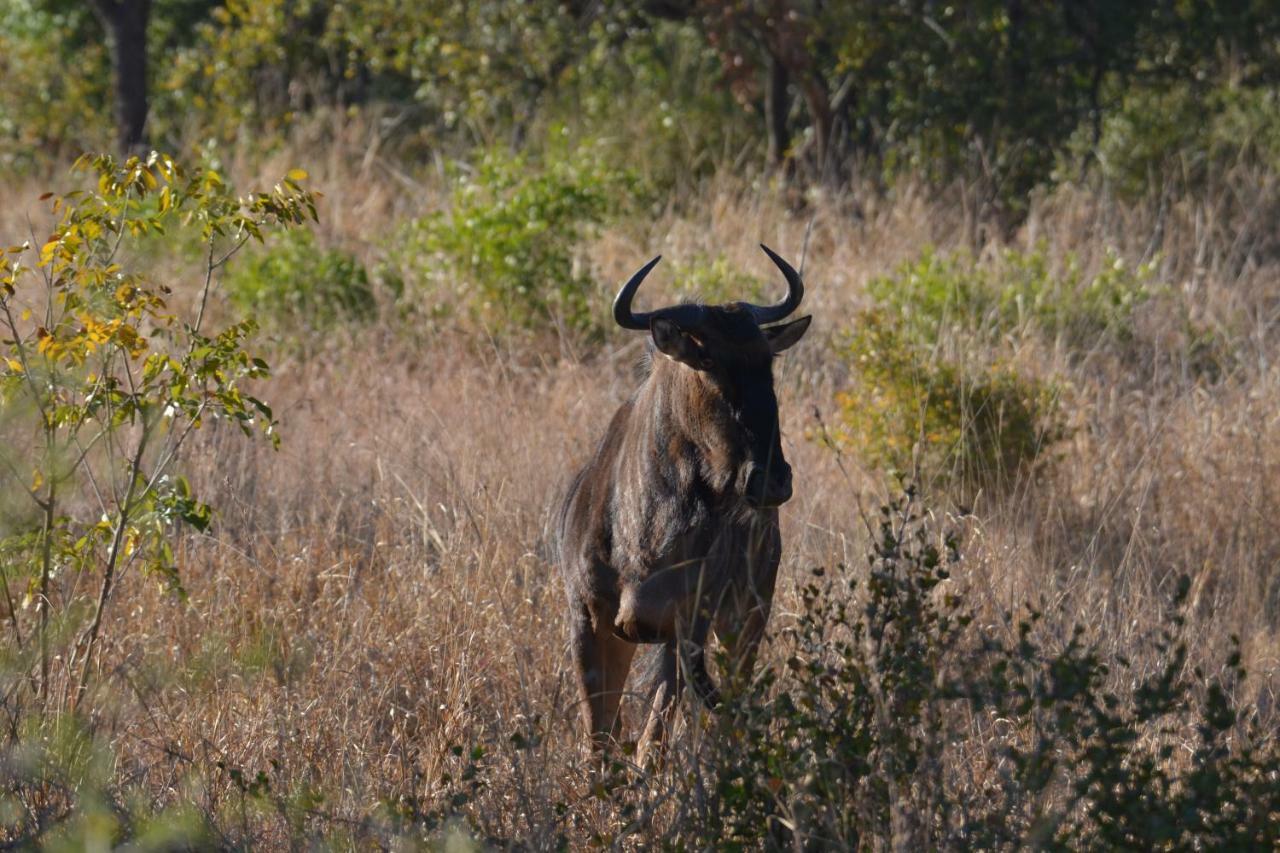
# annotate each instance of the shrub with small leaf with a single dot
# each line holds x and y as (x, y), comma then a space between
(839, 747)
(55, 97)
(715, 280)
(504, 253)
(1018, 292)
(866, 734)
(909, 411)
(1099, 753)
(102, 383)
(1183, 134)
(931, 393)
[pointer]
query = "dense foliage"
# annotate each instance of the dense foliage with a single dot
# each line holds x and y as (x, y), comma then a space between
(297, 285)
(853, 740)
(1006, 94)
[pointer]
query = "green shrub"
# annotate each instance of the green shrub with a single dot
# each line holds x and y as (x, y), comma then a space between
(935, 292)
(929, 393)
(716, 281)
(657, 105)
(504, 252)
(912, 413)
(1077, 311)
(1182, 136)
(294, 283)
(101, 386)
(1017, 291)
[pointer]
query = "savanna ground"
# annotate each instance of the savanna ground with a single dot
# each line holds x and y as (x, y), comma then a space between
(1046, 313)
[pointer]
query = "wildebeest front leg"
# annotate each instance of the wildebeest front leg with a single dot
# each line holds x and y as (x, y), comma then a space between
(601, 661)
(661, 676)
(666, 602)
(740, 628)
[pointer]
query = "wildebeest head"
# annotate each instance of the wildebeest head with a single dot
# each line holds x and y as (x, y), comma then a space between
(728, 351)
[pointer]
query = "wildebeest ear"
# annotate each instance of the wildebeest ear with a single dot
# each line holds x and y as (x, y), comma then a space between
(673, 341)
(785, 336)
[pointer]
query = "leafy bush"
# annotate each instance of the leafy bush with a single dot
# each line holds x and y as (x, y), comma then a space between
(504, 250)
(100, 388)
(1185, 135)
(937, 292)
(1079, 312)
(717, 281)
(248, 70)
(912, 413)
(656, 103)
(293, 282)
(64, 767)
(858, 738)
(925, 398)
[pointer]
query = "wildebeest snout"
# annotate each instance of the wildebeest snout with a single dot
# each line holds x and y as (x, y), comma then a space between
(767, 487)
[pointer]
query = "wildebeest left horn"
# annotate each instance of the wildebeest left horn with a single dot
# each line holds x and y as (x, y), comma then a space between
(795, 292)
(622, 302)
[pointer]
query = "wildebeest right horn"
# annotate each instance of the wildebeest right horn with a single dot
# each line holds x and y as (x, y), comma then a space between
(795, 292)
(622, 302)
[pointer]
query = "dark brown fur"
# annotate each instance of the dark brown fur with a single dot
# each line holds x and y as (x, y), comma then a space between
(667, 534)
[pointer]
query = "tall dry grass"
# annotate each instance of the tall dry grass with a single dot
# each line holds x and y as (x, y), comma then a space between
(378, 591)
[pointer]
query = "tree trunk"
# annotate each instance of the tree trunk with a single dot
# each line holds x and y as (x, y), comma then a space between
(818, 103)
(776, 108)
(126, 25)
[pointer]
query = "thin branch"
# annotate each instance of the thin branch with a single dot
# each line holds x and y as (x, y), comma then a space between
(46, 572)
(804, 249)
(231, 253)
(204, 296)
(45, 273)
(113, 556)
(88, 470)
(13, 472)
(170, 453)
(13, 613)
(124, 214)
(113, 451)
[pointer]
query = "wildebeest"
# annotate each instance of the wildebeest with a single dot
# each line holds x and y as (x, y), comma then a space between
(671, 530)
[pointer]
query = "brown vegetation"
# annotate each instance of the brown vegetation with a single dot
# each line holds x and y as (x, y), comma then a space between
(378, 591)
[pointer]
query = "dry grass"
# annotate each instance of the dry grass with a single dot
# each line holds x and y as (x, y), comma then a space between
(378, 590)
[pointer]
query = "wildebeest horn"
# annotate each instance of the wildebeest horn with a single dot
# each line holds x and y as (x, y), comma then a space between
(690, 315)
(795, 292)
(622, 302)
